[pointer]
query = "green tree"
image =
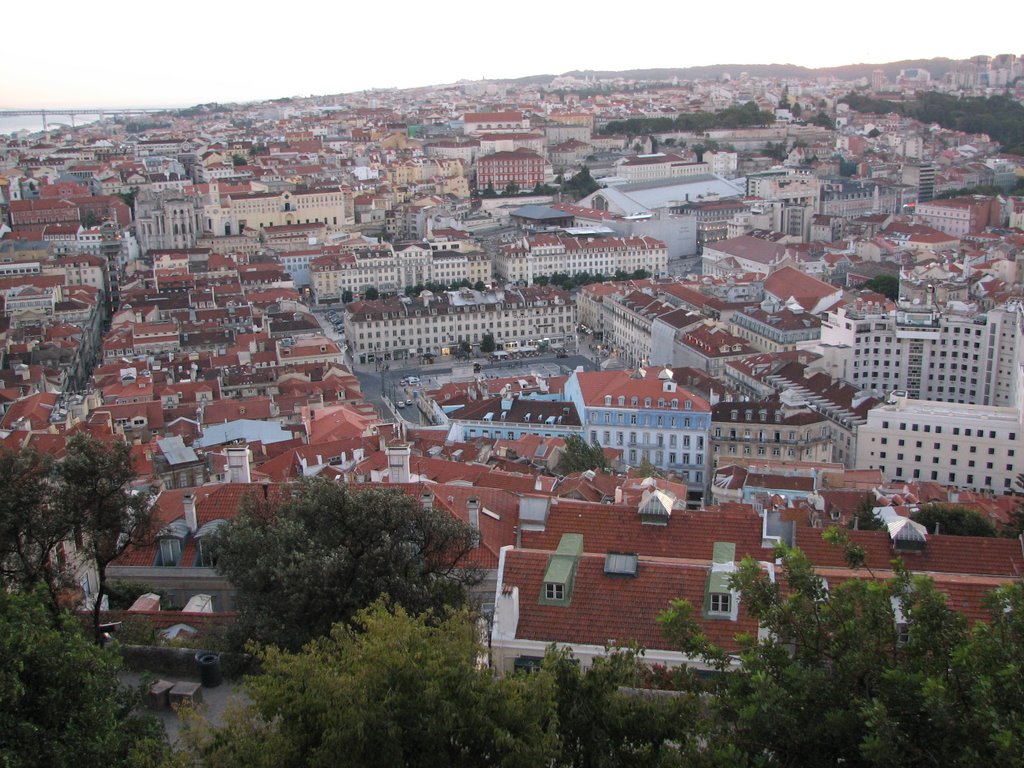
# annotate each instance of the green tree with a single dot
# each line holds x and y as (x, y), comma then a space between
(128, 198)
(864, 517)
(581, 185)
(953, 520)
(32, 527)
(796, 110)
(88, 496)
(646, 469)
(823, 121)
(370, 293)
(893, 675)
(96, 487)
(321, 556)
(487, 345)
(392, 691)
(346, 296)
(60, 700)
(237, 160)
(580, 456)
(887, 285)
(479, 285)
(602, 721)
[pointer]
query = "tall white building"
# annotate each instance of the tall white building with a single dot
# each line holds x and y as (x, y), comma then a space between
(954, 354)
(971, 446)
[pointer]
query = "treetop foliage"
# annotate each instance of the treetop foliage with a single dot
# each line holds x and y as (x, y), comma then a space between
(305, 563)
(580, 456)
(745, 116)
(999, 116)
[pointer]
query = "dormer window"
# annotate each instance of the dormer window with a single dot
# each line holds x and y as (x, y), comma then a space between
(622, 400)
(554, 591)
(688, 405)
(720, 603)
(634, 401)
(675, 403)
(607, 399)
(170, 552)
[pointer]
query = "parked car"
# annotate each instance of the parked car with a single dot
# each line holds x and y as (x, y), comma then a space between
(413, 380)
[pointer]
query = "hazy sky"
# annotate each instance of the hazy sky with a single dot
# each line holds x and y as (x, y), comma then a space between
(138, 53)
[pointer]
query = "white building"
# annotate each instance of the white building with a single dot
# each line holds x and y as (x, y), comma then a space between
(971, 446)
(546, 255)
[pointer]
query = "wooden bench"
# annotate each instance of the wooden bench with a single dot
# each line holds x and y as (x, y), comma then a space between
(182, 692)
(158, 695)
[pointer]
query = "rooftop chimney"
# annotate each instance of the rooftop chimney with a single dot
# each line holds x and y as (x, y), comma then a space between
(473, 509)
(427, 500)
(238, 464)
(398, 463)
(191, 519)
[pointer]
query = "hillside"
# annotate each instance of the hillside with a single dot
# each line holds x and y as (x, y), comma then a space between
(937, 68)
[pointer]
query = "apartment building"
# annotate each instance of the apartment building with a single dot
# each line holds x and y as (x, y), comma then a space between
(930, 353)
(660, 165)
(545, 255)
(960, 216)
(770, 328)
(235, 212)
(399, 328)
(388, 269)
(520, 167)
(970, 446)
(780, 429)
(647, 415)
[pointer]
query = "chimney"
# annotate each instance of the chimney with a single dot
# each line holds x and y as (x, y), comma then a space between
(427, 500)
(473, 509)
(399, 470)
(191, 519)
(618, 494)
(238, 464)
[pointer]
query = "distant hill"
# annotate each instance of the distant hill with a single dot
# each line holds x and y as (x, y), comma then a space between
(937, 68)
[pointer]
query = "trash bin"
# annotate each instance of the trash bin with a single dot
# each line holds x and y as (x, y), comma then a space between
(209, 669)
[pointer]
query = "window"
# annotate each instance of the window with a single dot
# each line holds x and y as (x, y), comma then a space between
(720, 603)
(554, 591)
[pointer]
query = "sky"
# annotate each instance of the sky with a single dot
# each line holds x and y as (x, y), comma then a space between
(189, 52)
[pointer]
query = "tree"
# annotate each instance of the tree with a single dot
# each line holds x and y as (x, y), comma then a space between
(646, 469)
(580, 456)
(88, 497)
(370, 293)
(893, 675)
(796, 110)
(32, 527)
(953, 520)
(487, 345)
(318, 558)
(887, 285)
(95, 487)
(479, 285)
(60, 700)
(346, 296)
(823, 121)
(581, 185)
(237, 160)
(864, 517)
(511, 189)
(128, 198)
(393, 690)
(602, 723)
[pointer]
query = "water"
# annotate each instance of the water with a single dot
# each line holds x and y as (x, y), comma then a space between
(34, 123)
